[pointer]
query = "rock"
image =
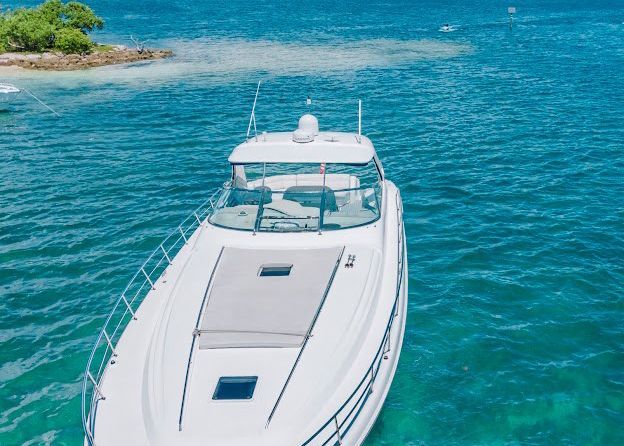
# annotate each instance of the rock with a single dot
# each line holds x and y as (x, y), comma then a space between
(54, 61)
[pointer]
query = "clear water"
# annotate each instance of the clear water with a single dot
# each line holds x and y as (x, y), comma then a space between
(507, 144)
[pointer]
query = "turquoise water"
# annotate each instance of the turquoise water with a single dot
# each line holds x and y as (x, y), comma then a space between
(507, 145)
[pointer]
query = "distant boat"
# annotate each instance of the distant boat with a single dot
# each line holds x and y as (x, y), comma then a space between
(8, 93)
(446, 28)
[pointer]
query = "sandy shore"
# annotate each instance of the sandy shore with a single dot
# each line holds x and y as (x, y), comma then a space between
(117, 54)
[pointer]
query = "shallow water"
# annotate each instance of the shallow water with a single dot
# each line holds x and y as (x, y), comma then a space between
(507, 145)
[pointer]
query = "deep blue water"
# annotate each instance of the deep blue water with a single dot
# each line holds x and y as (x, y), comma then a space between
(507, 145)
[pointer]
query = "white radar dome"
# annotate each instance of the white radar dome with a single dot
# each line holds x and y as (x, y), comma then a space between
(308, 128)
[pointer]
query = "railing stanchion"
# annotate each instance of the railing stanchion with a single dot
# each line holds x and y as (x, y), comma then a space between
(197, 218)
(339, 438)
(123, 296)
(182, 232)
(165, 253)
(110, 343)
(148, 278)
(95, 385)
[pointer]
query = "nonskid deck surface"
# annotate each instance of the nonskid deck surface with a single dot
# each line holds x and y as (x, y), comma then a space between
(266, 297)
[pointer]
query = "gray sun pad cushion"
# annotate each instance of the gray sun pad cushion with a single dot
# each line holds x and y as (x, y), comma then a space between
(245, 309)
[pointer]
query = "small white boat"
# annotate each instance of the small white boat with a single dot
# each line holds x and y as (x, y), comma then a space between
(274, 315)
(446, 28)
(8, 89)
(8, 93)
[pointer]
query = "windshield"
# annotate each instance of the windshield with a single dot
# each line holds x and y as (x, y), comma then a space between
(299, 197)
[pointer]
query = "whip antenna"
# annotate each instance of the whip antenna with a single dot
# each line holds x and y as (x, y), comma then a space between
(252, 118)
(360, 121)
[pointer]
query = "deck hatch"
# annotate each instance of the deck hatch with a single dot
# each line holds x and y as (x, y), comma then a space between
(235, 388)
(275, 270)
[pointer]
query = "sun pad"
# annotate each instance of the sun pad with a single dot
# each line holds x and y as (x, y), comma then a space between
(245, 309)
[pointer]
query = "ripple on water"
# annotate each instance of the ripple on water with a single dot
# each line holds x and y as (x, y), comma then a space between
(507, 146)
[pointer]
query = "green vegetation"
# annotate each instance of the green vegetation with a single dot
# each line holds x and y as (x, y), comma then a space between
(99, 48)
(53, 25)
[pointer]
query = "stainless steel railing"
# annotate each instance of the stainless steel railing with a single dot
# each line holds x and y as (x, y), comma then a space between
(124, 311)
(341, 421)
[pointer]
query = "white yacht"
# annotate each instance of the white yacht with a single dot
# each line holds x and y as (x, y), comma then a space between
(274, 315)
(8, 93)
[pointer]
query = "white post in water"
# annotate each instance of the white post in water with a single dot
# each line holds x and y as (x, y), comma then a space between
(511, 11)
(359, 120)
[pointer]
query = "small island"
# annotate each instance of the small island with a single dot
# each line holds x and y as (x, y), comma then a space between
(55, 36)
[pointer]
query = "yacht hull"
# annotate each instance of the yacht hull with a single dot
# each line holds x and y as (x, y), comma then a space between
(273, 317)
(363, 425)
(364, 417)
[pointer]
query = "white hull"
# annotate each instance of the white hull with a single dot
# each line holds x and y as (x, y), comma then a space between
(363, 424)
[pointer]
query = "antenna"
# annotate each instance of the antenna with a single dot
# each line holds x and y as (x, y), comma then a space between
(360, 121)
(252, 118)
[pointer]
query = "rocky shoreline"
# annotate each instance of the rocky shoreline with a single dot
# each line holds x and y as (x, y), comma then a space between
(51, 61)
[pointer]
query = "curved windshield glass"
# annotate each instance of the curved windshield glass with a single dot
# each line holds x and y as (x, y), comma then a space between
(325, 197)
